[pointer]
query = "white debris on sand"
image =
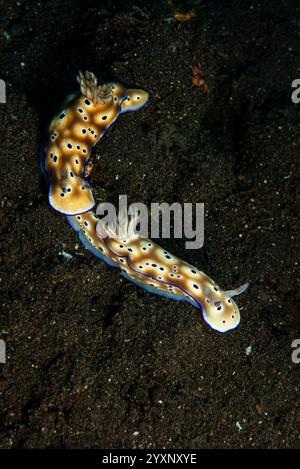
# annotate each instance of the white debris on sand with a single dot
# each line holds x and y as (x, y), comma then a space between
(65, 255)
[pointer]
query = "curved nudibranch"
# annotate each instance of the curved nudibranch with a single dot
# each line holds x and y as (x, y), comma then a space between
(82, 121)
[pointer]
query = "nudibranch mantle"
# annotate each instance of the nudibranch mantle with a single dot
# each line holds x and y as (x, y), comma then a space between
(83, 120)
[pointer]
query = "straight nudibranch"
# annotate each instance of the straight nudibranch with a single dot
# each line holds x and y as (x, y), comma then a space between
(84, 118)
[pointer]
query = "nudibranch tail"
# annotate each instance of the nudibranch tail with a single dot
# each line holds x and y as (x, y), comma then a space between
(80, 124)
(237, 291)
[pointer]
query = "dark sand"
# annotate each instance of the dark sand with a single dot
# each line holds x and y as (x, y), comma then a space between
(94, 361)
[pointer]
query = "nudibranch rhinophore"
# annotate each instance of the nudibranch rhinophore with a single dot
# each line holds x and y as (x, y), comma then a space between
(82, 121)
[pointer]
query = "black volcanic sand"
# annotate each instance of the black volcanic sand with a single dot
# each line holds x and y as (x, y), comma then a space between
(92, 360)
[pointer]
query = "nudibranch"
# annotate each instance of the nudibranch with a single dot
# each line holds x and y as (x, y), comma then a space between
(82, 121)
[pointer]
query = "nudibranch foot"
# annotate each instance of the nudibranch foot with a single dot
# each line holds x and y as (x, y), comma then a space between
(88, 169)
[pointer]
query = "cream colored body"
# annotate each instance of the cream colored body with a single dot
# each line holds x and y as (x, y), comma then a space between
(72, 134)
